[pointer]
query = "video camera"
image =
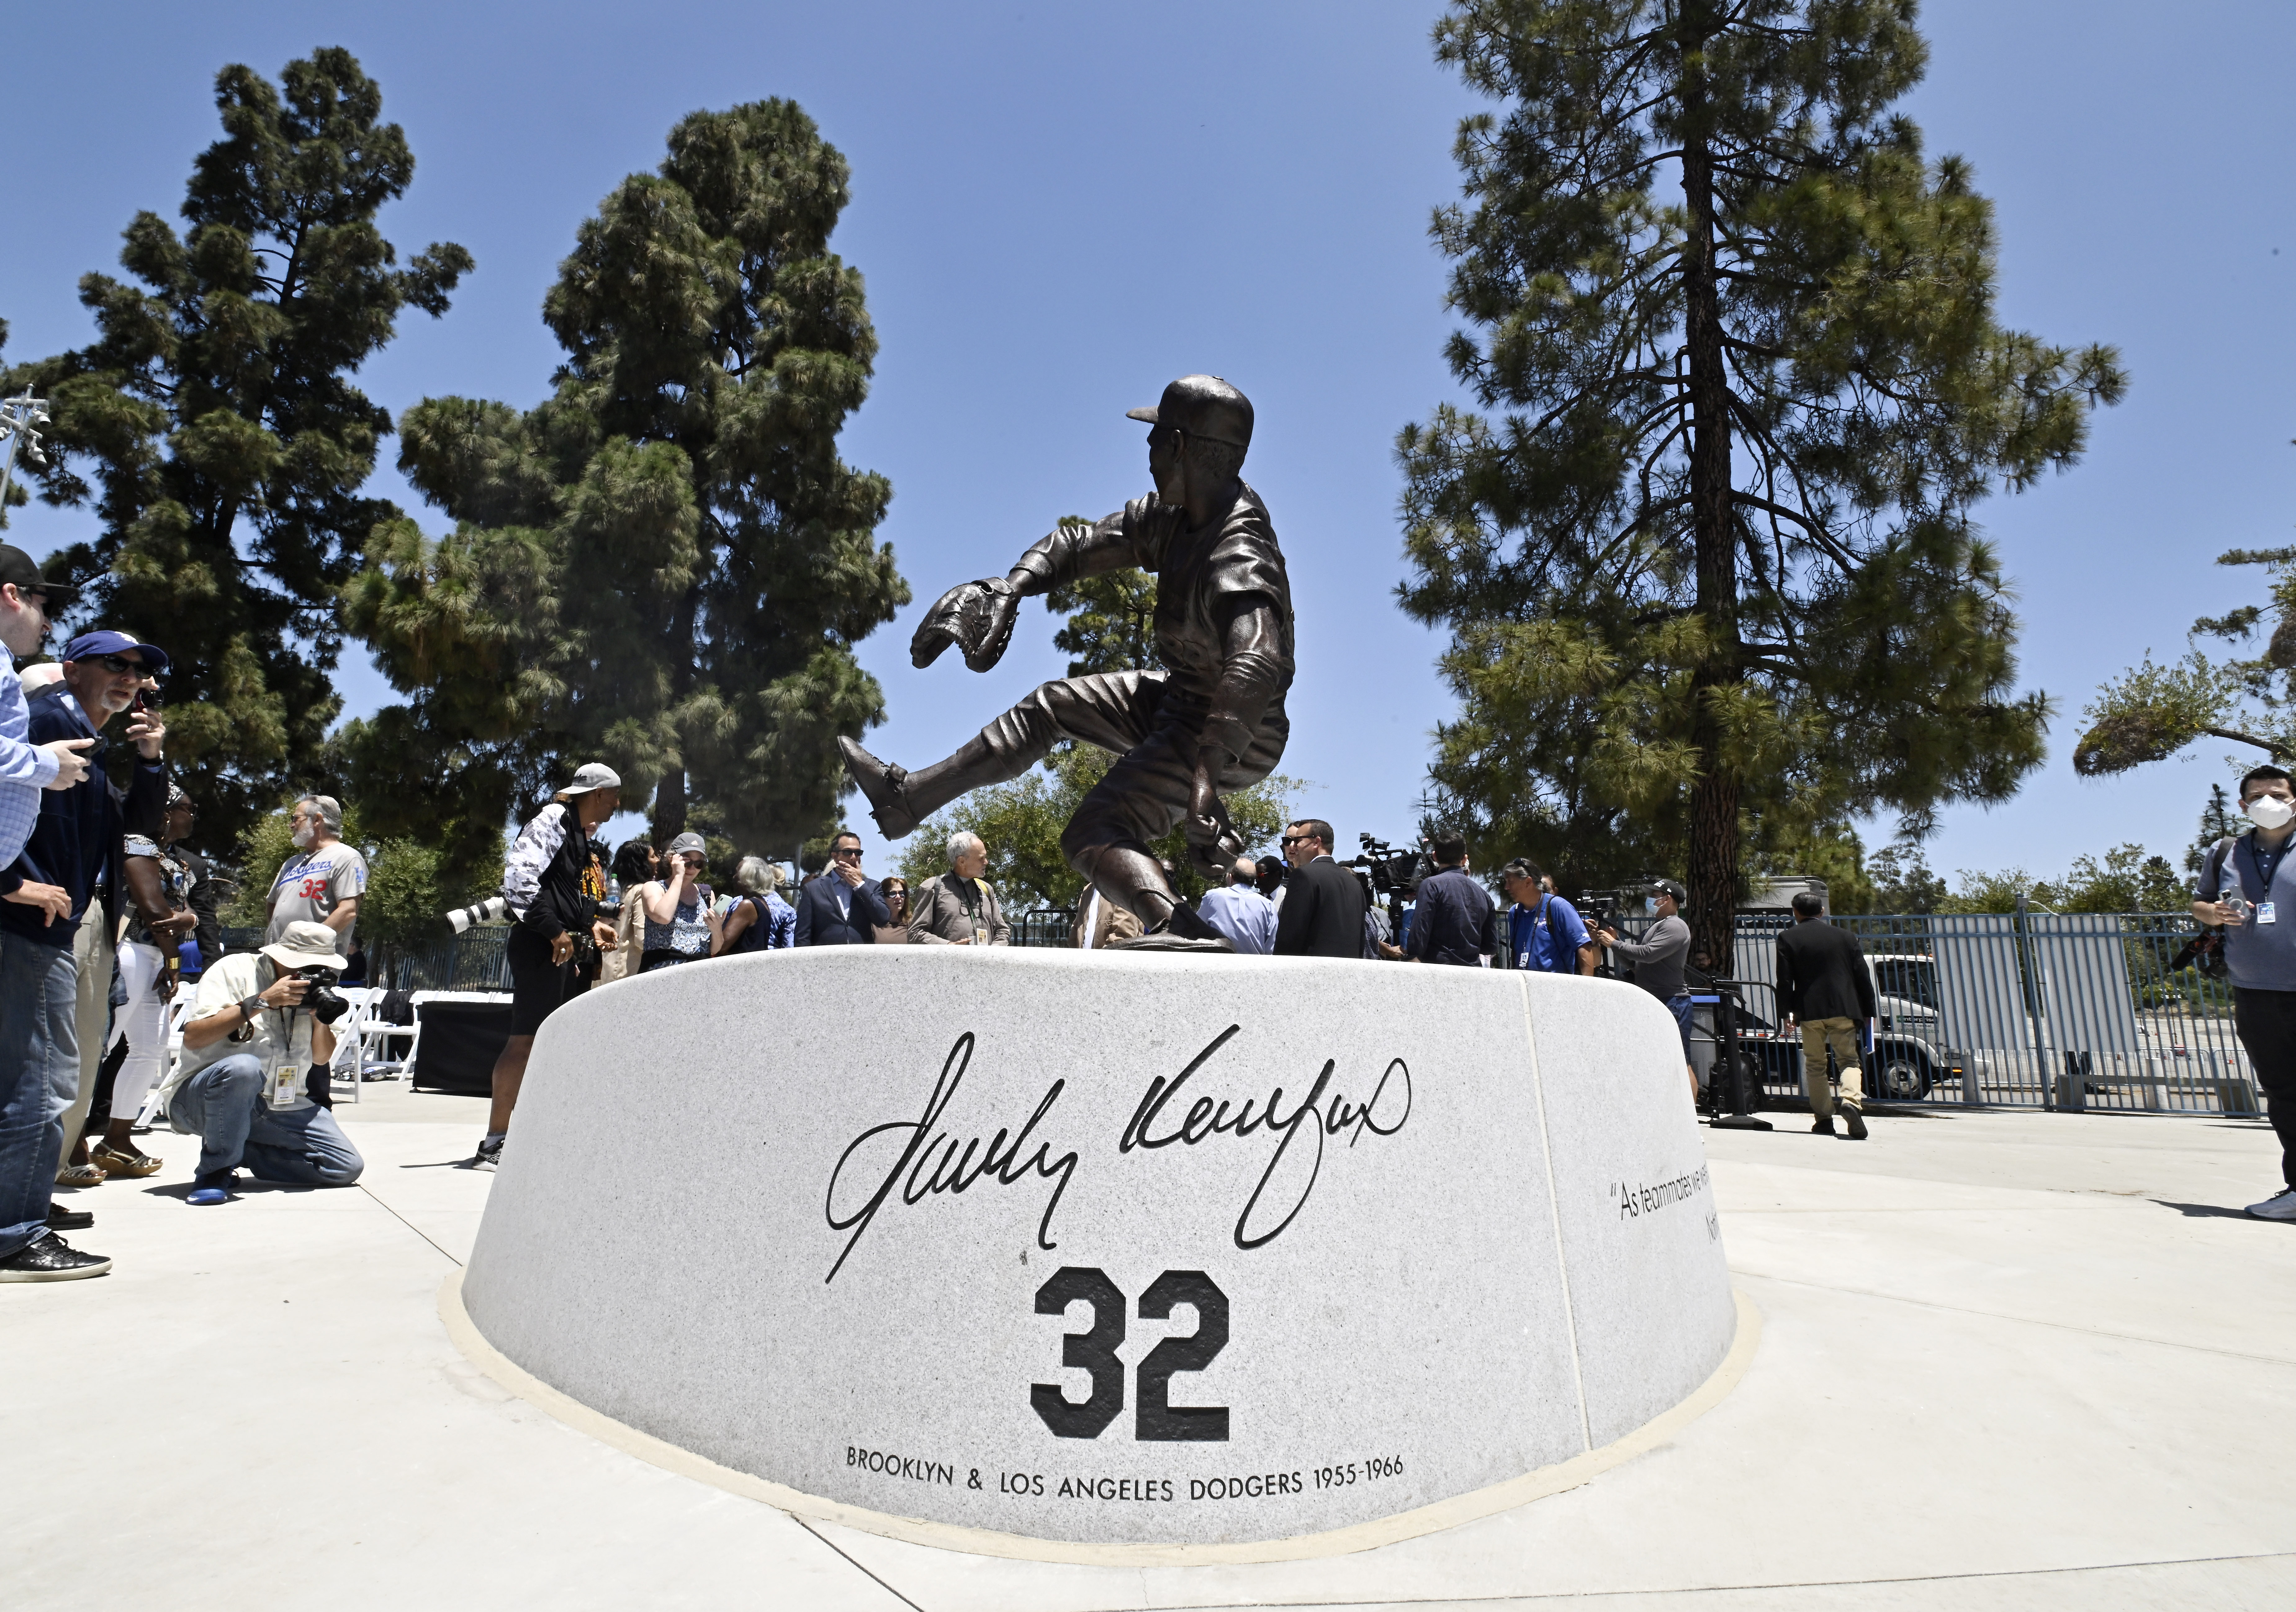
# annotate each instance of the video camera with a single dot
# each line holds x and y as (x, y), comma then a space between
(1392, 872)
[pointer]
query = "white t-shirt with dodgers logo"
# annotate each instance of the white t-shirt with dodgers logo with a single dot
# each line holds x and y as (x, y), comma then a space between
(312, 884)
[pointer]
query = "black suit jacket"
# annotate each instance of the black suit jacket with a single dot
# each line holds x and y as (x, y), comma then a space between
(1323, 913)
(1822, 974)
(819, 923)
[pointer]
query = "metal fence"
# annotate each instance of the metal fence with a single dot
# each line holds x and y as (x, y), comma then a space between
(1044, 927)
(470, 962)
(2077, 1012)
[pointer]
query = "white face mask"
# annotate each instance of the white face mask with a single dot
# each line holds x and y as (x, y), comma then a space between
(2270, 812)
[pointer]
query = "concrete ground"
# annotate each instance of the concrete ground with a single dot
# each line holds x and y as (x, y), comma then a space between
(2009, 1360)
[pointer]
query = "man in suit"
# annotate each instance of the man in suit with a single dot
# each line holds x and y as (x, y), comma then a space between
(1824, 982)
(1324, 903)
(840, 906)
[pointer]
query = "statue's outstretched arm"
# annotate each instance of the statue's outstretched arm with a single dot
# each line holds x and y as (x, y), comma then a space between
(979, 616)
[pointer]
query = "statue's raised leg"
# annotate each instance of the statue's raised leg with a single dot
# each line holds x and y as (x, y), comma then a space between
(1113, 710)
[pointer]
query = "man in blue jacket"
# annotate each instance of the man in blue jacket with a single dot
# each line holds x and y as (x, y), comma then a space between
(840, 906)
(36, 980)
(73, 846)
(1452, 922)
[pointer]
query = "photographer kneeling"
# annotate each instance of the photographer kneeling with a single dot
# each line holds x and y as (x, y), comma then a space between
(256, 1030)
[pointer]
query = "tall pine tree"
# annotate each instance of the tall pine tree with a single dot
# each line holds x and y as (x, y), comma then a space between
(216, 415)
(1713, 559)
(666, 565)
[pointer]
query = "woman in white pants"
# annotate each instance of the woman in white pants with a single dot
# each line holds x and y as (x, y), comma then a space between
(159, 889)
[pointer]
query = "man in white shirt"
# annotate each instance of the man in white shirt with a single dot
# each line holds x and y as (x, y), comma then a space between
(248, 1050)
(1240, 911)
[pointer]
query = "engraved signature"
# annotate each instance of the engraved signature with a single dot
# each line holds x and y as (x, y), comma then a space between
(1318, 1118)
(936, 1162)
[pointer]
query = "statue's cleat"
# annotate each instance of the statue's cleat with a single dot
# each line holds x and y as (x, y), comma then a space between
(885, 786)
(1185, 931)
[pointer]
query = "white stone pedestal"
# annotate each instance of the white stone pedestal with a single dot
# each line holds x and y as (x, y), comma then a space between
(1108, 1249)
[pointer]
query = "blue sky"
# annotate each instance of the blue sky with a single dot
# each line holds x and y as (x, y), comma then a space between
(1058, 209)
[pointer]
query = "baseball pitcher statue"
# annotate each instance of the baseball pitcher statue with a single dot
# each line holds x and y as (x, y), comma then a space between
(1211, 720)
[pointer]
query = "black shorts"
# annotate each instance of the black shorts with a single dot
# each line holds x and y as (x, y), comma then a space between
(538, 988)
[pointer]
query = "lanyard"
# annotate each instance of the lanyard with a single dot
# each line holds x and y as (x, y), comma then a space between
(2265, 864)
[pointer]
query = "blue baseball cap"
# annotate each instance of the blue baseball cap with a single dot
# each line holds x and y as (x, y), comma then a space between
(104, 641)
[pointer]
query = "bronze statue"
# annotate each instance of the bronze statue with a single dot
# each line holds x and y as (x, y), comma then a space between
(1213, 720)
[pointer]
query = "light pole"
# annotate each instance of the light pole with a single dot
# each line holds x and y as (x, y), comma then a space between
(19, 418)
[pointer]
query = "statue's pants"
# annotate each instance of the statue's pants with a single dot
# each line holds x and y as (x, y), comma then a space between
(1154, 728)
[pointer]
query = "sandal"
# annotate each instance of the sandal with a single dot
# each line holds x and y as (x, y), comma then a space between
(79, 1176)
(113, 1162)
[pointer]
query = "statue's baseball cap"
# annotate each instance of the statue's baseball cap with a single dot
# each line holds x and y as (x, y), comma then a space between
(104, 641)
(21, 568)
(1203, 406)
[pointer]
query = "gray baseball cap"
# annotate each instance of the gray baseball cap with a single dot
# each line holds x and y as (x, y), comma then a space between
(683, 843)
(594, 775)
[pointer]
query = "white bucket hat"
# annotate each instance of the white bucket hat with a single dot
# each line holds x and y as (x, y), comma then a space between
(305, 945)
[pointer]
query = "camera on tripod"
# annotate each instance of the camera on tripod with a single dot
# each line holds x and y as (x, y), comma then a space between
(495, 910)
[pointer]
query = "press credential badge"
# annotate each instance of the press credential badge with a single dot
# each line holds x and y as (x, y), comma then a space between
(280, 1087)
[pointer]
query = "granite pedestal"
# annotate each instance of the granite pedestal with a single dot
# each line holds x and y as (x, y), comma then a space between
(1108, 1249)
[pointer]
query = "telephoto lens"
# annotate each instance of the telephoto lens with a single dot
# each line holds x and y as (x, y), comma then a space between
(494, 911)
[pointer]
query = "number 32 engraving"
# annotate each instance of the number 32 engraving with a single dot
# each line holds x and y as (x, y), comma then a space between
(1094, 1351)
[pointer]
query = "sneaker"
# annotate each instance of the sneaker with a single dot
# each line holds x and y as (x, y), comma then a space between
(2280, 1205)
(61, 1219)
(1856, 1121)
(48, 1258)
(490, 1154)
(211, 1190)
(1824, 1127)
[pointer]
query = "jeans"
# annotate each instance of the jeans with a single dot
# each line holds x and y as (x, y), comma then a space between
(2265, 1021)
(1684, 1011)
(222, 1106)
(39, 1070)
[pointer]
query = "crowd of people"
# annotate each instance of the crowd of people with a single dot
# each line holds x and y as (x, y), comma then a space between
(106, 916)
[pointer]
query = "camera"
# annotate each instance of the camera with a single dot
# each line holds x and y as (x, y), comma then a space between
(323, 1002)
(1391, 871)
(493, 911)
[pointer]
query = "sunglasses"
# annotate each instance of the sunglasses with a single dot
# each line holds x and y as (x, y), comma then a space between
(120, 663)
(1297, 840)
(842, 852)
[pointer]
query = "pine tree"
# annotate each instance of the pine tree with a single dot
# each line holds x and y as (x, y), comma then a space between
(2152, 711)
(1111, 619)
(1713, 559)
(2220, 821)
(666, 565)
(216, 416)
